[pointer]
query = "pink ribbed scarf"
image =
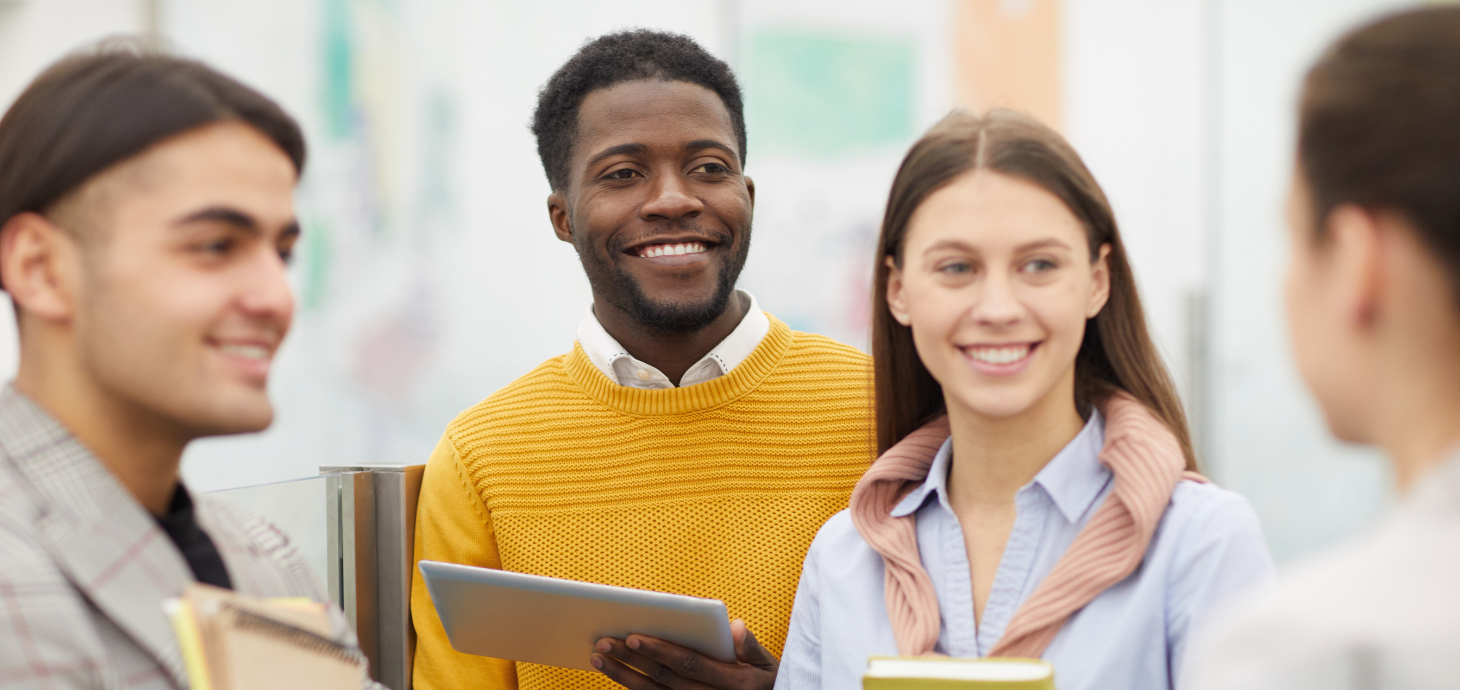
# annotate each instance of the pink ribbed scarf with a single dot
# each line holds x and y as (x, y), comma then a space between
(1147, 463)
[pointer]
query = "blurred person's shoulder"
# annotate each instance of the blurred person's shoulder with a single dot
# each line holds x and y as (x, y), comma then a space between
(1386, 601)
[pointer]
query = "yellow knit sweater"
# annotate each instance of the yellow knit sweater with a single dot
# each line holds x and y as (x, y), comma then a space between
(713, 490)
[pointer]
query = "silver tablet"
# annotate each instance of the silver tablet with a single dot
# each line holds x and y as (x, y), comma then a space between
(545, 620)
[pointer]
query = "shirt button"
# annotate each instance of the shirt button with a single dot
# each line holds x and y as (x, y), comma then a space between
(643, 375)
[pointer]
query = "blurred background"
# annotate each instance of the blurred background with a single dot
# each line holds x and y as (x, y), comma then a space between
(428, 275)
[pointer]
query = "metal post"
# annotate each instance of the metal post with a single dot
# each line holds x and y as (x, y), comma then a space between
(381, 598)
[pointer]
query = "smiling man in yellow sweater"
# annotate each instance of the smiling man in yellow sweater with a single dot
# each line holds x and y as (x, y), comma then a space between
(689, 442)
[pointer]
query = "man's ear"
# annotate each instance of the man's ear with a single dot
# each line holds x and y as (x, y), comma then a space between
(750, 187)
(896, 300)
(1100, 283)
(558, 214)
(40, 264)
(1354, 257)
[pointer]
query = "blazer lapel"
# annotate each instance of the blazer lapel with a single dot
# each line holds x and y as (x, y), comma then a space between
(107, 544)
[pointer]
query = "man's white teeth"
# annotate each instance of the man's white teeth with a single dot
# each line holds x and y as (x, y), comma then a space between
(246, 351)
(671, 249)
(999, 355)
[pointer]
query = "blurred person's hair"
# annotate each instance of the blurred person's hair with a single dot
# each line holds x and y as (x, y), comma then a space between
(1379, 126)
(101, 106)
(1117, 353)
(620, 57)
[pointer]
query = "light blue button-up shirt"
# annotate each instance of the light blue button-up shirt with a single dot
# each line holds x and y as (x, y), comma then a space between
(1132, 636)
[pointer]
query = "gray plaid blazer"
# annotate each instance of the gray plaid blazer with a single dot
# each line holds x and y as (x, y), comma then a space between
(84, 568)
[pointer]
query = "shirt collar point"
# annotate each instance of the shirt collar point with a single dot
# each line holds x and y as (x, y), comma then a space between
(1075, 477)
(935, 482)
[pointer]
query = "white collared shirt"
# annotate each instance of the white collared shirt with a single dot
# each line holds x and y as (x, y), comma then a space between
(620, 367)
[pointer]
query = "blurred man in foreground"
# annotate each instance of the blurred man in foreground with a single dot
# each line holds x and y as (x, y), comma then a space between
(689, 442)
(1374, 313)
(147, 211)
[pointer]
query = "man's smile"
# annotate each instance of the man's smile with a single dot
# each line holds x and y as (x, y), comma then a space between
(652, 250)
(673, 251)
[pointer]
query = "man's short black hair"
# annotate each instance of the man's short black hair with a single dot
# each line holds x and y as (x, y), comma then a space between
(616, 58)
(104, 105)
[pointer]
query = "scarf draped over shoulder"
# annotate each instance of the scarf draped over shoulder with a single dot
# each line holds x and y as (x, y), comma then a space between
(1141, 453)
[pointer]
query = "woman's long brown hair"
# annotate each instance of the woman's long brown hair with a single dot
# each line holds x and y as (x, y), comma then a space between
(1117, 353)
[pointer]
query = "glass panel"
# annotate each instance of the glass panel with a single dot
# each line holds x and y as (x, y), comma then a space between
(298, 508)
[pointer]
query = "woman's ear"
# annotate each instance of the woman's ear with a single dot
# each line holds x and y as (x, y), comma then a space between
(896, 301)
(1356, 261)
(1100, 282)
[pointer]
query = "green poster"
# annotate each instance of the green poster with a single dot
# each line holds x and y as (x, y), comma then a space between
(824, 95)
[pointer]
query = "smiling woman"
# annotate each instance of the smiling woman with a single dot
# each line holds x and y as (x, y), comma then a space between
(1033, 497)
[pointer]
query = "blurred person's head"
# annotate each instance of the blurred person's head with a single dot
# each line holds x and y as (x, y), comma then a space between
(642, 135)
(147, 211)
(1002, 285)
(1373, 291)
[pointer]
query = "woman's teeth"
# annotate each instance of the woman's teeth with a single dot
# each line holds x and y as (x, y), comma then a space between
(998, 355)
(246, 351)
(653, 250)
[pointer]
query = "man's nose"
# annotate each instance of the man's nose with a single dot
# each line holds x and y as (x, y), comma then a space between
(670, 199)
(266, 293)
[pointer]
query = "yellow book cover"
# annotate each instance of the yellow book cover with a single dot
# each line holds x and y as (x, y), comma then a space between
(943, 673)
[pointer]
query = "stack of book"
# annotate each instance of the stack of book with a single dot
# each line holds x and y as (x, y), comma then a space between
(234, 642)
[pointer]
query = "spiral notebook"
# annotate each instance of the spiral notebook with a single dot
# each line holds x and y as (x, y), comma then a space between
(234, 642)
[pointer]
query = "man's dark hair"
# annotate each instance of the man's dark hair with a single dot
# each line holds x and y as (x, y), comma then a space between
(95, 109)
(1379, 126)
(616, 58)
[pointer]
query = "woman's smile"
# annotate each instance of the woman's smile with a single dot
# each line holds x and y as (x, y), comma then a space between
(1004, 359)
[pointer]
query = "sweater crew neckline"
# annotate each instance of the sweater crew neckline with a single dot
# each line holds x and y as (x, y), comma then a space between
(671, 401)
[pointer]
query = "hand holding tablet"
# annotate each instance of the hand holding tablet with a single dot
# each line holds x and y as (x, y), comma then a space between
(544, 620)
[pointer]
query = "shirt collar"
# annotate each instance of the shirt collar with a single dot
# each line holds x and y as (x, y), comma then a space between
(603, 350)
(1073, 479)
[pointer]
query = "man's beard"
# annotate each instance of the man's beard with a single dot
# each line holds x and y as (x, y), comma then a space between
(622, 290)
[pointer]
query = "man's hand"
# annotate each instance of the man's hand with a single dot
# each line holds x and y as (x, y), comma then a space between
(645, 663)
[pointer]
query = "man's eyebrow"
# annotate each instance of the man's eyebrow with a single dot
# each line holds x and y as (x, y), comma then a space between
(712, 144)
(616, 151)
(224, 215)
(238, 219)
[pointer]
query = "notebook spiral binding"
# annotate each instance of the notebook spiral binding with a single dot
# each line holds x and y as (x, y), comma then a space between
(298, 637)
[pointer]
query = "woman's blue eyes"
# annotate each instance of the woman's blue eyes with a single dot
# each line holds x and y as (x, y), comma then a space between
(962, 268)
